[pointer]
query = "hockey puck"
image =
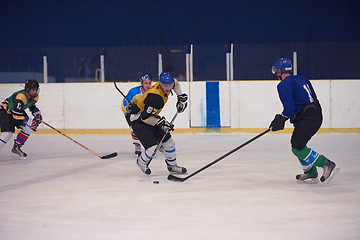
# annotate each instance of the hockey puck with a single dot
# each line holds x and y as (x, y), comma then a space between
(156, 182)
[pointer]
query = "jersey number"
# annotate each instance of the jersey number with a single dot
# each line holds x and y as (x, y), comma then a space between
(151, 110)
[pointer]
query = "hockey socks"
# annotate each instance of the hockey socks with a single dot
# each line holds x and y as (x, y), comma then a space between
(144, 158)
(22, 137)
(309, 159)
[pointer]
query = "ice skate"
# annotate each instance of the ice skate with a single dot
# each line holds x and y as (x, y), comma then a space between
(330, 170)
(175, 168)
(143, 166)
(137, 149)
(16, 151)
(307, 178)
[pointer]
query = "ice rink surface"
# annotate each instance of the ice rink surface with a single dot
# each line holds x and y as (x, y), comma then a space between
(63, 192)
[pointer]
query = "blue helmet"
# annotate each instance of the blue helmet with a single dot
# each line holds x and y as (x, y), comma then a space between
(283, 64)
(166, 78)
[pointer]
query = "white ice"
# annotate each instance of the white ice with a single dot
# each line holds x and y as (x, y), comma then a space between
(64, 192)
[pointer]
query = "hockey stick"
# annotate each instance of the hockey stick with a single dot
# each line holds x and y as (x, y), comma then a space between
(111, 155)
(178, 179)
(121, 92)
(162, 139)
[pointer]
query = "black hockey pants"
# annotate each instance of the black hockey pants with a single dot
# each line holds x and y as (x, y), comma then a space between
(307, 122)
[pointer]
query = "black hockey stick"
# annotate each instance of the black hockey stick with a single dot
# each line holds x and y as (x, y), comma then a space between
(121, 92)
(178, 179)
(162, 139)
(111, 155)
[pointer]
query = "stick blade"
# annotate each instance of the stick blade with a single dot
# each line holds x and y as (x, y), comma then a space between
(175, 178)
(111, 155)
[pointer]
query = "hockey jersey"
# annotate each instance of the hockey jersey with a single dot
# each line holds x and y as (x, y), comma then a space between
(17, 103)
(295, 92)
(152, 102)
(133, 95)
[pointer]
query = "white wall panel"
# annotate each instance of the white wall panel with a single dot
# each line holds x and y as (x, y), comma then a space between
(345, 104)
(243, 104)
(198, 104)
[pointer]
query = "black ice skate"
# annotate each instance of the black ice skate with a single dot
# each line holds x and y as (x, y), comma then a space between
(330, 170)
(137, 149)
(175, 168)
(307, 178)
(16, 151)
(144, 167)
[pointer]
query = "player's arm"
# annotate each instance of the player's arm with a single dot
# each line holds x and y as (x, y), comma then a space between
(176, 87)
(125, 103)
(133, 96)
(36, 113)
(17, 111)
(286, 97)
(181, 97)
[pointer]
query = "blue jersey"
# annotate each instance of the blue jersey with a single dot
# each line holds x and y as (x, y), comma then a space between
(295, 92)
(133, 95)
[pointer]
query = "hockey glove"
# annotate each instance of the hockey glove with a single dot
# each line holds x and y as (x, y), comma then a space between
(278, 123)
(182, 102)
(37, 114)
(32, 124)
(165, 125)
(130, 106)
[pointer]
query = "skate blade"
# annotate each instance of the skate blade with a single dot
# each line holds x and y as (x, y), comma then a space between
(332, 175)
(308, 181)
(13, 155)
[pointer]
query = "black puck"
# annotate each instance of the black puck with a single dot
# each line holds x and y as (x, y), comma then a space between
(156, 182)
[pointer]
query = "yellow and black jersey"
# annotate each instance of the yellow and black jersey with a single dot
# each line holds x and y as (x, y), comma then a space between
(151, 103)
(17, 103)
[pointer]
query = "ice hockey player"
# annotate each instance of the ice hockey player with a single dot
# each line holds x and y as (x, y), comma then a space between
(133, 96)
(301, 106)
(149, 127)
(12, 114)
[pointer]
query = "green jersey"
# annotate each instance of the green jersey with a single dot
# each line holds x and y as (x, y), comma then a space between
(18, 102)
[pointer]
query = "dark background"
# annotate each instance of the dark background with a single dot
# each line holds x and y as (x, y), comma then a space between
(73, 34)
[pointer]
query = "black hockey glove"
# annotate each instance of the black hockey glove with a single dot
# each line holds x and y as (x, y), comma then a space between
(182, 102)
(165, 125)
(278, 123)
(130, 106)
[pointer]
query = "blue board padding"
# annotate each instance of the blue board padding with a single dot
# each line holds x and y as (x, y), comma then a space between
(212, 104)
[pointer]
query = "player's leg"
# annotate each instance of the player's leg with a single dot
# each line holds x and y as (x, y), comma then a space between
(7, 127)
(306, 127)
(135, 139)
(26, 129)
(145, 134)
(4, 138)
(136, 142)
(170, 157)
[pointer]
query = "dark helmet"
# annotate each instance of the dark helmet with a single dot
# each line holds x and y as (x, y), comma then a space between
(145, 76)
(31, 84)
